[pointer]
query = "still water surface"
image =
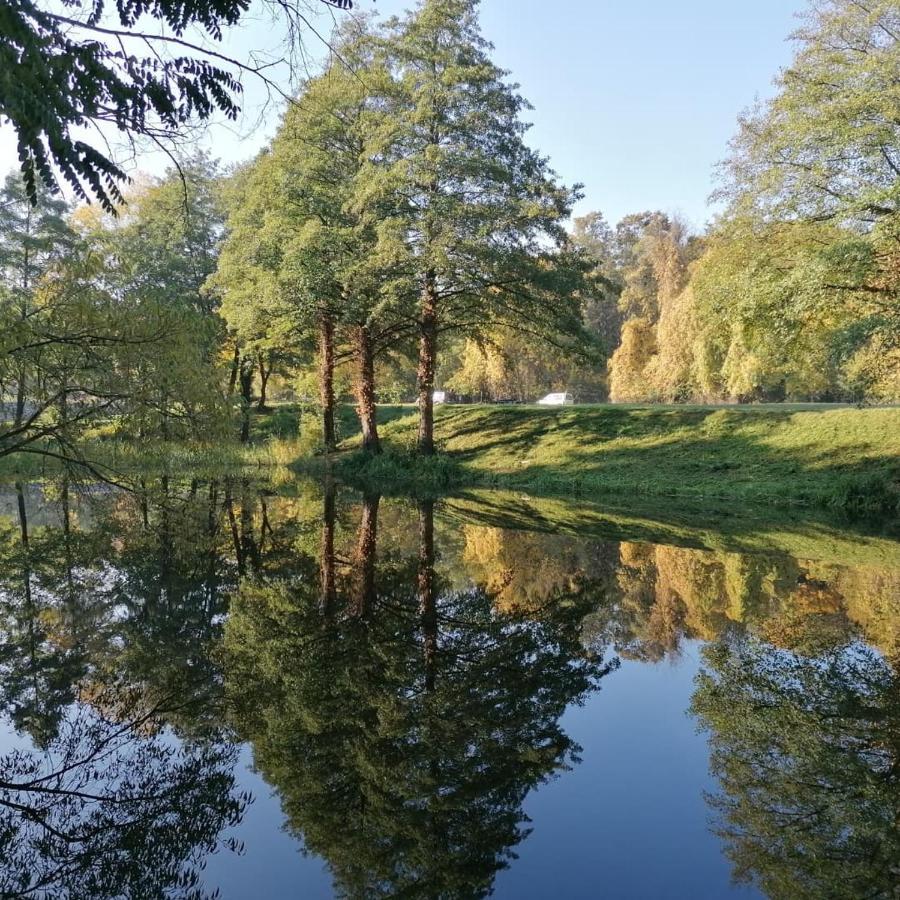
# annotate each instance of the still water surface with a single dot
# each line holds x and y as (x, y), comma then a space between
(303, 692)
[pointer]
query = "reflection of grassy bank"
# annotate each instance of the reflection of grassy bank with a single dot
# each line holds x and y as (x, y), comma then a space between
(845, 458)
(707, 528)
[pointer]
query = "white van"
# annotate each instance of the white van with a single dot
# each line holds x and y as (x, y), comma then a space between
(557, 400)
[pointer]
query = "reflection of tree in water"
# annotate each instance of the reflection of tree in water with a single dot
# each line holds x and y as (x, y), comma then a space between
(39, 591)
(804, 720)
(111, 810)
(807, 754)
(138, 598)
(405, 700)
(121, 618)
(403, 725)
(662, 595)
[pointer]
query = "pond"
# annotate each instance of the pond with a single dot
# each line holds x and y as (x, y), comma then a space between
(297, 690)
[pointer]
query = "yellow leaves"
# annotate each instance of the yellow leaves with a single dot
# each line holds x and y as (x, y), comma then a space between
(627, 382)
(87, 218)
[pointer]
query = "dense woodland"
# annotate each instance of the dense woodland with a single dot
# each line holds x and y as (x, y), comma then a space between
(400, 235)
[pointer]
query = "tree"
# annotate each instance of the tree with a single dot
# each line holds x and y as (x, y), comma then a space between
(652, 360)
(826, 145)
(476, 214)
(805, 750)
(155, 260)
(72, 342)
(104, 318)
(821, 156)
(63, 70)
(34, 234)
(601, 307)
(302, 228)
(627, 383)
(783, 310)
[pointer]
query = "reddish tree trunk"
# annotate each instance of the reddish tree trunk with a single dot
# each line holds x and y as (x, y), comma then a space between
(365, 390)
(427, 364)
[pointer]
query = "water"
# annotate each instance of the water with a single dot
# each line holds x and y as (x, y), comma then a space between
(297, 691)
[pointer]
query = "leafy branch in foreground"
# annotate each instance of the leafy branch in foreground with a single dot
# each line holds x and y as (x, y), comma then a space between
(64, 72)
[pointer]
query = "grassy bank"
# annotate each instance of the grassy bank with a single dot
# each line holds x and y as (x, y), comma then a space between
(814, 456)
(759, 456)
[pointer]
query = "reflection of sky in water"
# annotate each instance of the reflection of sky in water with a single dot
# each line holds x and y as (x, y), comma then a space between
(630, 820)
(271, 864)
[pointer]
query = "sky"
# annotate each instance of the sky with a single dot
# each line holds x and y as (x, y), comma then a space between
(634, 99)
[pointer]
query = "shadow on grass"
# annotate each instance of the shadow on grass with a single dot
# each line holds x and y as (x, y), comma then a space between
(739, 455)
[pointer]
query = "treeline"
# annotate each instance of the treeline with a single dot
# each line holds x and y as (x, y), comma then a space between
(399, 235)
(794, 291)
(397, 208)
(105, 318)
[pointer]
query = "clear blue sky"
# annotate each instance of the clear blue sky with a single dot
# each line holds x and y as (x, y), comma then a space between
(636, 99)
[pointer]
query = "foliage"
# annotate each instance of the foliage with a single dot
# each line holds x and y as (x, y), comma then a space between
(825, 147)
(105, 318)
(62, 70)
(403, 723)
(476, 215)
(804, 750)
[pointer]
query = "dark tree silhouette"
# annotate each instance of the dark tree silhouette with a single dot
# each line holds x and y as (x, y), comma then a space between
(132, 64)
(404, 733)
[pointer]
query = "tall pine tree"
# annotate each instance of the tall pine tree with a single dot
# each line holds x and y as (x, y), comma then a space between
(477, 215)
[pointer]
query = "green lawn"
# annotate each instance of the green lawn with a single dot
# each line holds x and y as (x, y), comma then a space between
(786, 455)
(758, 456)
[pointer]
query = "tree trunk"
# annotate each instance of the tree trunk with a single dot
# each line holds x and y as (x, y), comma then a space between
(365, 390)
(246, 380)
(364, 559)
(20, 398)
(425, 583)
(22, 386)
(329, 591)
(235, 365)
(427, 362)
(326, 381)
(264, 373)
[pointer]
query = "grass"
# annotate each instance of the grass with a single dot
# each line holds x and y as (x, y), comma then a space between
(844, 458)
(803, 534)
(754, 456)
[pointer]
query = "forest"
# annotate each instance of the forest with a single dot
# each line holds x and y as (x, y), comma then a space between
(399, 235)
(303, 589)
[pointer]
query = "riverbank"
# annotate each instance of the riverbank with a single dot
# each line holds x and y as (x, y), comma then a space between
(840, 457)
(759, 456)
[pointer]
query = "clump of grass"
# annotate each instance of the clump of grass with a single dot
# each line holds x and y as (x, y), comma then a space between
(399, 472)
